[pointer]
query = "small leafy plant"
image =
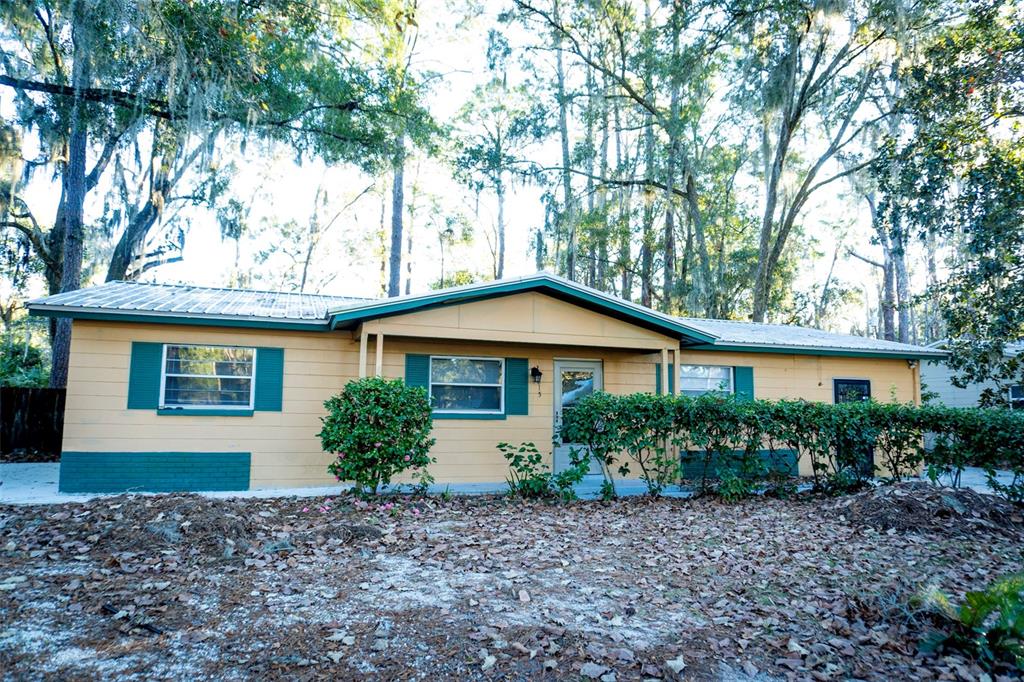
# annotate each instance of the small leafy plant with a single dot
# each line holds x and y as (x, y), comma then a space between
(733, 487)
(531, 478)
(378, 428)
(988, 626)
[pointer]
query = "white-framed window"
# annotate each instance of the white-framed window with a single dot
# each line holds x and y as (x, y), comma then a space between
(1017, 397)
(207, 377)
(700, 379)
(467, 384)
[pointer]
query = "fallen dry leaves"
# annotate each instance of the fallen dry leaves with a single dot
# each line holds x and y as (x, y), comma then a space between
(487, 588)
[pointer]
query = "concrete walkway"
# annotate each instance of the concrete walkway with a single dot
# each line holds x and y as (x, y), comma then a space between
(37, 484)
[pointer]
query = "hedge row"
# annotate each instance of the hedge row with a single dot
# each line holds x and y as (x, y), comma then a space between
(732, 439)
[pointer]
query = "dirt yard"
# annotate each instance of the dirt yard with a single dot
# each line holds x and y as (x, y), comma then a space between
(181, 586)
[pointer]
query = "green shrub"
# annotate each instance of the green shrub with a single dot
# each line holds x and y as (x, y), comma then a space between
(842, 443)
(734, 487)
(22, 363)
(988, 626)
(377, 428)
(990, 438)
(645, 428)
(530, 477)
(594, 423)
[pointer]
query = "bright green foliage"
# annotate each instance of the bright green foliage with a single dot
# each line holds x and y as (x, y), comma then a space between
(988, 626)
(377, 428)
(734, 487)
(22, 363)
(530, 477)
(991, 438)
(594, 423)
(960, 178)
(846, 444)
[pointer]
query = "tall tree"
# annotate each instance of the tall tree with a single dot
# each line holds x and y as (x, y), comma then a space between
(282, 69)
(958, 174)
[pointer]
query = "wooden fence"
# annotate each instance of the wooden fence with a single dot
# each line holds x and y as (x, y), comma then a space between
(31, 420)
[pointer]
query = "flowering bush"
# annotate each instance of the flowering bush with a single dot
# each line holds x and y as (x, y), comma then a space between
(377, 428)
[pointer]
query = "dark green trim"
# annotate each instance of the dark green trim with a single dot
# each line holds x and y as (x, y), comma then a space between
(743, 382)
(144, 375)
(193, 321)
(797, 350)
(468, 415)
(198, 412)
(517, 386)
(269, 388)
(671, 378)
(118, 472)
(601, 303)
(417, 371)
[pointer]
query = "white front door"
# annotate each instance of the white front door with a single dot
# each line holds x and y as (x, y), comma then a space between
(574, 379)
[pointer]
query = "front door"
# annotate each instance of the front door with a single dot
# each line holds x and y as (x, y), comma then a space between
(574, 380)
(855, 391)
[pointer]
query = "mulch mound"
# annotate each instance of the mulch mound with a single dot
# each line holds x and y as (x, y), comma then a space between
(926, 507)
(190, 525)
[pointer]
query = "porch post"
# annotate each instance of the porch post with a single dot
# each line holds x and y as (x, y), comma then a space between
(362, 353)
(378, 362)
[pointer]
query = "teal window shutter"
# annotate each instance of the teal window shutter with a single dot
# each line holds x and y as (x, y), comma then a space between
(269, 379)
(517, 386)
(743, 381)
(417, 370)
(671, 377)
(144, 375)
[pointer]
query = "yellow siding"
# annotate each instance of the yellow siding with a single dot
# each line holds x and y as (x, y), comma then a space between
(284, 446)
(527, 318)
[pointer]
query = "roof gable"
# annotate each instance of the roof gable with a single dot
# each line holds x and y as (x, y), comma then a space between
(351, 316)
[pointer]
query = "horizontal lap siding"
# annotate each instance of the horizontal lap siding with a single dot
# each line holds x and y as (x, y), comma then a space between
(284, 447)
(285, 450)
(466, 450)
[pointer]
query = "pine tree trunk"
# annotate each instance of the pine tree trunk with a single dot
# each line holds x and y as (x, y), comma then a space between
(647, 230)
(500, 191)
(74, 204)
(565, 223)
(397, 208)
(903, 296)
(668, 284)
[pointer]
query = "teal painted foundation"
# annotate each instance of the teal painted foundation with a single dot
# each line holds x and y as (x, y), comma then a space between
(157, 472)
(784, 462)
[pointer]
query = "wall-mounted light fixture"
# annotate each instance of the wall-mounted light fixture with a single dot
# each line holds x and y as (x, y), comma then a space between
(911, 364)
(536, 375)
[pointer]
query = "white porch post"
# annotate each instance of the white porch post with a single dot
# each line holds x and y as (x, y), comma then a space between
(362, 353)
(378, 361)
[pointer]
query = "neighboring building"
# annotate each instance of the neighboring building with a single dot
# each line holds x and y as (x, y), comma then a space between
(937, 378)
(181, 387)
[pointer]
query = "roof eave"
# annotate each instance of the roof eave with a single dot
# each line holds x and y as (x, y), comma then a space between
(161, 317)
(839, 351)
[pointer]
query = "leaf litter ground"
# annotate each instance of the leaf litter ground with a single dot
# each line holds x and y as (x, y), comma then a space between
(181, 586)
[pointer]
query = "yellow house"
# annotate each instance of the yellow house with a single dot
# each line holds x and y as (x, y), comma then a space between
(182, 387)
